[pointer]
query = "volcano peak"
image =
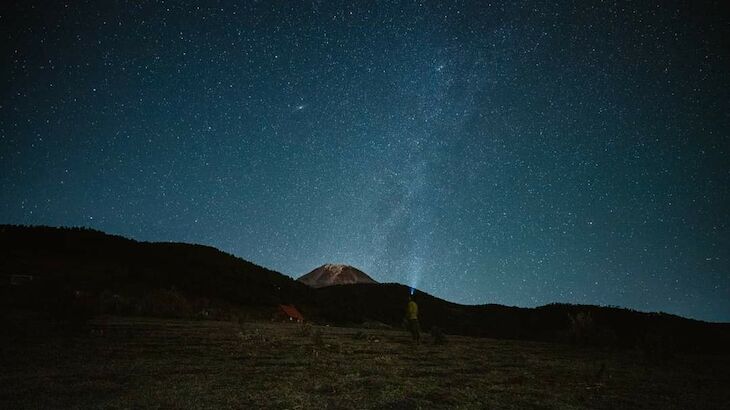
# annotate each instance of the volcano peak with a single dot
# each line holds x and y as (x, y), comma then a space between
(335, 274)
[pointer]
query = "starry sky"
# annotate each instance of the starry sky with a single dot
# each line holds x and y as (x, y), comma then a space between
(519, 153)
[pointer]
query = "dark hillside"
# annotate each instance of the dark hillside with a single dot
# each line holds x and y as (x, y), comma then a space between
(382, 302)
(87, 264)
(658, 333)
(80, 272)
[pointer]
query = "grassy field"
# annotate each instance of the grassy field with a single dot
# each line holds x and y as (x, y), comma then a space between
(161, 363)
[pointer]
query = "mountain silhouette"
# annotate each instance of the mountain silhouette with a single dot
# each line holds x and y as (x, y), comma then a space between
(77, 272)
(334, 274)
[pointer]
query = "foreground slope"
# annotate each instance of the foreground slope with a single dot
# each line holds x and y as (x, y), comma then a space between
(172, 363)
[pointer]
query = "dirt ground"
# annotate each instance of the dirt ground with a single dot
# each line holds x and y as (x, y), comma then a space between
(167, 363)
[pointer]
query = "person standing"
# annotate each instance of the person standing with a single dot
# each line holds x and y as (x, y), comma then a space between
(412, 318)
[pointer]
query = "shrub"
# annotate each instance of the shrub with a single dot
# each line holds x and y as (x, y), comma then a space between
(167, 303)
(585, 332)
(582, 327)
(438, 335)
(305, 330)
(317, 338)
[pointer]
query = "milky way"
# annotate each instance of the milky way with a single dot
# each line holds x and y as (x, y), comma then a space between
(519, 154)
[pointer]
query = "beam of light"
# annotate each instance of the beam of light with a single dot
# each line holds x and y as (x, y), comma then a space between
(414, 271)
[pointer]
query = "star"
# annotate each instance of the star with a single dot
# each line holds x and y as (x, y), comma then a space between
(479, 157)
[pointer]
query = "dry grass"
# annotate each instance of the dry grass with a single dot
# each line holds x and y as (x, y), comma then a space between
(153, 363)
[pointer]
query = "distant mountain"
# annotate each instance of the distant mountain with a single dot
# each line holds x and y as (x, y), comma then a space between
(334, 274)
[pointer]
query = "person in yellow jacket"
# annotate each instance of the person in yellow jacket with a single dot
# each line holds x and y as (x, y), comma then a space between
(412, 318)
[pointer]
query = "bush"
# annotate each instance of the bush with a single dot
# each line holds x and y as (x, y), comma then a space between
(305, 330)
(317, 339)
(585, 332)
(116, 304)
(438, 335)
(581, 327)
(167, 303)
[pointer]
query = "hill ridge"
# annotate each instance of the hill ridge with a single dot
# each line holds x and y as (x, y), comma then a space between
(81, 270)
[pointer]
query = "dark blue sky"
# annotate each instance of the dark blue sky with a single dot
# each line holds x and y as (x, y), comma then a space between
(519, 154)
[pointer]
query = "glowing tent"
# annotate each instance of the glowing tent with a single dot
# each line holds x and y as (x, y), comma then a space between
(289, 312)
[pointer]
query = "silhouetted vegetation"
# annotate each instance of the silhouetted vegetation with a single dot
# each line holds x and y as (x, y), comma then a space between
(77, 273)
(78, 270)
(438, 335)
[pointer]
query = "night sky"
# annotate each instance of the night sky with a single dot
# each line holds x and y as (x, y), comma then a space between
(519, 154)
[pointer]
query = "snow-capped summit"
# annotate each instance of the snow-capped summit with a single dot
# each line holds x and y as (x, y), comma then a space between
(335, 274)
